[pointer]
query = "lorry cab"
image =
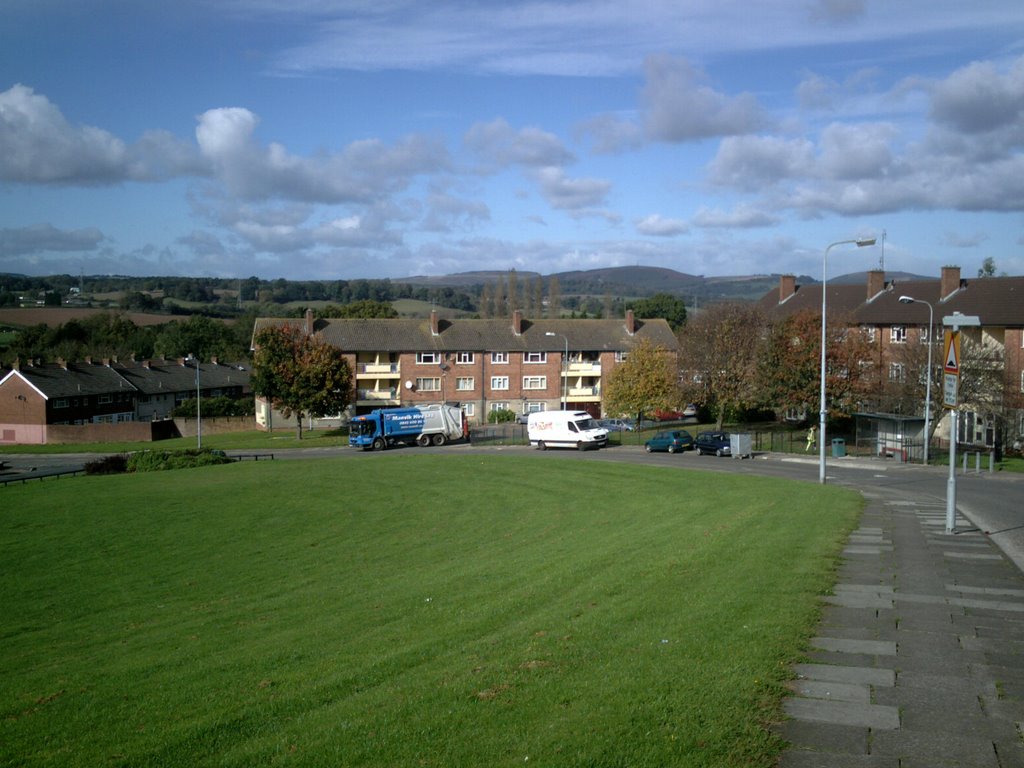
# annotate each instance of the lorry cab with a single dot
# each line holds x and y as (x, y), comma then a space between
(565, 429)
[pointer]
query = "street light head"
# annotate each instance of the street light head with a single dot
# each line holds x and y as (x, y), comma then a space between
(550, 333)
(866, 242)
(907, 300)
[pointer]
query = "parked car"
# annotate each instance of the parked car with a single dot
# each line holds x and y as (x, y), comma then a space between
(713, 442)
(690, 411)
(674, 441)
(616, 425)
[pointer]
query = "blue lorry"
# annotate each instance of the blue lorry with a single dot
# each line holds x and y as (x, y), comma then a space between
(419, 425)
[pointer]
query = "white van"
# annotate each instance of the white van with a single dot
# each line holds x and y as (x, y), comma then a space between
(565, 429)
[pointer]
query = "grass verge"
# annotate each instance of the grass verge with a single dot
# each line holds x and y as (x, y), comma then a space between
(408, 610)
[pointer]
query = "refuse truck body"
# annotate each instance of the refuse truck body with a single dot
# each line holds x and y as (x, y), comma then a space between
(419, 425)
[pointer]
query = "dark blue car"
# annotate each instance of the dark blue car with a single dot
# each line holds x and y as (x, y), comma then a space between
(713, 442)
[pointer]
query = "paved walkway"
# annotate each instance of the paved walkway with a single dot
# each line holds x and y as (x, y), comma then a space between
(919, 658)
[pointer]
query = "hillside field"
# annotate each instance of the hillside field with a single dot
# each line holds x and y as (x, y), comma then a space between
(408, 610)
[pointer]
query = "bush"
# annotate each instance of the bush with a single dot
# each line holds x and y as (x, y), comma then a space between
(215, 406)
(501, 417)
(108, 465)
(154, 461)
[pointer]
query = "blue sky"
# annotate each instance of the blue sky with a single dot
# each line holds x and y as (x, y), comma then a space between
(343, 139)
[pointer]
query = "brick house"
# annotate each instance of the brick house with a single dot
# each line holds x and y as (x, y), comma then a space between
(36, 398)
(484, 365)
(899, 334)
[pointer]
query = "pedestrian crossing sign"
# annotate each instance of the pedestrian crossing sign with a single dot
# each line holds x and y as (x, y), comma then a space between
(952, 354)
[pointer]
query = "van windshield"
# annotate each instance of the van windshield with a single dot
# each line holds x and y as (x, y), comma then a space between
(585, 424)
(362, 428)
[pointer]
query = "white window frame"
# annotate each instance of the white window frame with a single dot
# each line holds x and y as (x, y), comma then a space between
(898, 334)
(499, 358)
(428, 358)
(469, 409)
(534, 407)
(621, 356)
(897, 372)
(871, 332)
(465, 358)
(926, 334)
(498, 406)
(428, 383)
(535, 382)
(464, 384)
(535, 358)
(499, 383)
(60, 402)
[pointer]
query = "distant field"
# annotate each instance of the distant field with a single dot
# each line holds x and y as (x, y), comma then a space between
(408, 610)
(54, 316)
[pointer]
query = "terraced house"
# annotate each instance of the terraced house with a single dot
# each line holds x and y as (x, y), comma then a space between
(484, 365)
(900, 331)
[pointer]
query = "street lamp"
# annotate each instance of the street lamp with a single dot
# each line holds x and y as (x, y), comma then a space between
(565, 365)
(821, 416)
(928, 386)
(199, 422)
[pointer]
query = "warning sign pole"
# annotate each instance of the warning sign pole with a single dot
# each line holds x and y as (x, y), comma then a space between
(951, 400)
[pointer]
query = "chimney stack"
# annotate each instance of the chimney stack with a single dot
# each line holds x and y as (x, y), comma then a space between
(950, 282)
(309, 322)
(435, 328)
(630, 322)
(876, 283)
(517, 322)
(787, 287)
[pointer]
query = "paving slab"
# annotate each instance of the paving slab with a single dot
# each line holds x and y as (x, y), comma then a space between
(918, 660)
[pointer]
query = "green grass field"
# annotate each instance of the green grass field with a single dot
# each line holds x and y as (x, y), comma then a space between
(408, 610)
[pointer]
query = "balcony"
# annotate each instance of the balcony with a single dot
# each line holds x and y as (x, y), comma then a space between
(377, 395)
(584, 393)
(377, 369)
(583, 368)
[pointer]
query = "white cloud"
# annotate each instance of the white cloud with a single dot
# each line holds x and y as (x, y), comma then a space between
(659, 226)
(571, 194)
(499, 145)
(742, 217)
(45, 238)
(679, 107)
(39, 146)
(363, 171)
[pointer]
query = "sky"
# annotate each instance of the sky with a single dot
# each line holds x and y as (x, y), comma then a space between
(347, 139)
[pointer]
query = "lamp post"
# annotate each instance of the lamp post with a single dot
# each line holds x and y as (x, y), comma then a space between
(928, 386)
(821, 415)
(565, 365)
(199, 420)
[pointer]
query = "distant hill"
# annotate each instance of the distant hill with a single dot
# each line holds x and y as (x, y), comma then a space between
(625, 282)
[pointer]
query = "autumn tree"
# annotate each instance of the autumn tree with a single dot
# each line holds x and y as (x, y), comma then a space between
(790, 365)
(645, 382)
(364, 308)
(719, 353)
(299, 373)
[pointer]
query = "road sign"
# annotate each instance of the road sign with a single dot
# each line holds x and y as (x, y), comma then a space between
(952, 353)
(950, 390)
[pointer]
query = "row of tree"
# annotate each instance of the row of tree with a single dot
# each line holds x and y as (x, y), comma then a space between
(732, 362)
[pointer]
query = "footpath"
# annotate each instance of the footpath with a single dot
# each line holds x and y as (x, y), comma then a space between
(918, 660)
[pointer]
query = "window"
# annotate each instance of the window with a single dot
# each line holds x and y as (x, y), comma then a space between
(535, 357)
(464, 358)
(535, 382)
(499, 382)
(896, 372)
(428, 384)
(870, 332)
(428, 358)
(464, 384)
(898, 334)
(60, 402)
(106, 399)
(1022, 386)
(925, 335)
(534, 408)
(499, 358)
(469, 409)
(621, 357)
(499, 406)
